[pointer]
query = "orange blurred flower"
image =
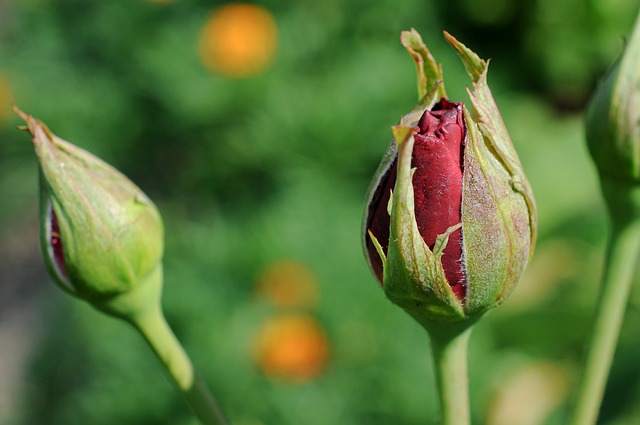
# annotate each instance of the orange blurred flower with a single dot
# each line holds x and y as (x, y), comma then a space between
(291, 347)
(6, 99)
(288, 284)
(238, 40)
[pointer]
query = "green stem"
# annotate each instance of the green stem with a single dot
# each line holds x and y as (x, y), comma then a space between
(154, 328)
(450, 357)
(622, 255)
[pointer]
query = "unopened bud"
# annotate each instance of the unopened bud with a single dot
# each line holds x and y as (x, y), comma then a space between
(613, 133)
(101, 237)
(613, 117)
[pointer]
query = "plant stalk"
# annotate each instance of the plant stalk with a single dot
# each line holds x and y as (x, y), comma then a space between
(450, 358)
(622, 255)
(154, 328)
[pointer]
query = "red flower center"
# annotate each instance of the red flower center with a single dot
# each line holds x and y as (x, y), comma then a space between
(438, 155)
(437, 184)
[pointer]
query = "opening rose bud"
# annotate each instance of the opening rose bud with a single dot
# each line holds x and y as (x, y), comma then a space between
(450, 221)
(437, 182)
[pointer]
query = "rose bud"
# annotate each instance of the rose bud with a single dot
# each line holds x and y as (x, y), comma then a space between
(101, 237)
(450, 221)
(613, 130)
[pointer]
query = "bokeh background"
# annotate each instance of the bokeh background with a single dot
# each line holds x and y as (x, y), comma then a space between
(255, 128)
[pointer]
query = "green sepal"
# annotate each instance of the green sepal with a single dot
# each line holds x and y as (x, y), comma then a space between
(430, 77)
(379, 249)
(487, 247)
(494, 132)
(430, 80)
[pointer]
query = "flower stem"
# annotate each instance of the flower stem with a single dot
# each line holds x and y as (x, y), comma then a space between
(450, 357)
(622, 255)
(155, 330)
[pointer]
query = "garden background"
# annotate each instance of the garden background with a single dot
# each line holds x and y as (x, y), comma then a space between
(259, 165)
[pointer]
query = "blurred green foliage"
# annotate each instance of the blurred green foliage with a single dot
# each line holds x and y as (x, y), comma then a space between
(248, 171)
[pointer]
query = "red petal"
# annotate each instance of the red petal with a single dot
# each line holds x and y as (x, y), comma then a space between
(379, 219)
(437, 183)
(56, 244)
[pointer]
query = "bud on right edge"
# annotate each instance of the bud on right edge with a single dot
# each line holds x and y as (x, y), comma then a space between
(613, 130)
